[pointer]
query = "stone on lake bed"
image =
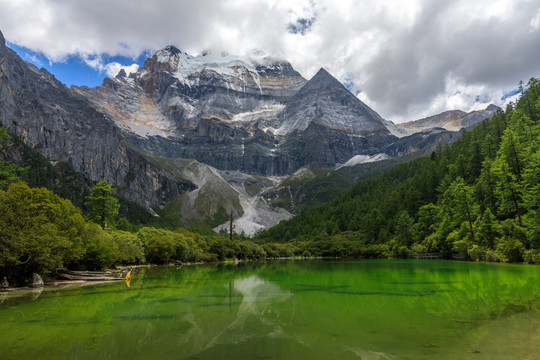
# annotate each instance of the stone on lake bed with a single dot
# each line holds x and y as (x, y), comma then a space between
(36, 281)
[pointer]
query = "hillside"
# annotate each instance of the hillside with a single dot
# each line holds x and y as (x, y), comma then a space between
(476, 199)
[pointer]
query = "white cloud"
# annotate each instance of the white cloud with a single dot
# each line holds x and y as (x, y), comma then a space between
(111, 69)
(535, 22)
(405, 58)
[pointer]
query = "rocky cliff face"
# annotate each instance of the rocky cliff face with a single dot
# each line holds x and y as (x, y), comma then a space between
(174, 91)
(43, 112)
(257, 116)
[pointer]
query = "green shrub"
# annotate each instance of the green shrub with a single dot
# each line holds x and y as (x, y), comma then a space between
(532, 256)
(461, 247)
(511, 248)
(130, 247)
(476, 253)
(101, 250)
(494, 256)
(160, 247)
(402, 252)
(39, 231)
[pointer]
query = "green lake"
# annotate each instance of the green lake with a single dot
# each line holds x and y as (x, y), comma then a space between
(305, 309)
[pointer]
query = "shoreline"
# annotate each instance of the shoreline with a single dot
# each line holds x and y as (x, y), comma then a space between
(64, 283)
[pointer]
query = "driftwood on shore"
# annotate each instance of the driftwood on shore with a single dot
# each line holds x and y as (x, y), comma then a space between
(88, 275)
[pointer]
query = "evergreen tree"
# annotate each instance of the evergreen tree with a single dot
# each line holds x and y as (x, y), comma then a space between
(507, 190)
(488, 230)
(404, 229)
(102, 206)
(458, 202)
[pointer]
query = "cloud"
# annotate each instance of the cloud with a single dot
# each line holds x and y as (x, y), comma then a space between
(405, 59)
(535, 22)
(111, 68)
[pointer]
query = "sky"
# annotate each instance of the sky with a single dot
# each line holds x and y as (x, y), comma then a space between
(405, 59)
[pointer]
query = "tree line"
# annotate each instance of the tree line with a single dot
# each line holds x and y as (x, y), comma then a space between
(476, 199)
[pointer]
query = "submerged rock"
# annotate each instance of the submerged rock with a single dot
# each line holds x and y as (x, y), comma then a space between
(4, 283)
(36, 281)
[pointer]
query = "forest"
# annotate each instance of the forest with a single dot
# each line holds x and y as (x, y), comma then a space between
(477, 199)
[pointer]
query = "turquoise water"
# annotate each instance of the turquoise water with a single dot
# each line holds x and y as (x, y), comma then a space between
(311, 309)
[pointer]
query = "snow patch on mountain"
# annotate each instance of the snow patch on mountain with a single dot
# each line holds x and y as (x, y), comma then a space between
(267, 112)
(257, 216)
(362, 159)
(395, 130)
(185, 65)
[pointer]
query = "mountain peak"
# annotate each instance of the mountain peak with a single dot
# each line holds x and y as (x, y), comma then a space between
(322, 72)
(121, 74)
(323, 80)
(2, 39)
(172, 49)
(492, 107)
(326, 101)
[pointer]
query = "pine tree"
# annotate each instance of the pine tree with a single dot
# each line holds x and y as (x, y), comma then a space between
(458, 202)
(488, 230)
(508, 189)
(102, 206)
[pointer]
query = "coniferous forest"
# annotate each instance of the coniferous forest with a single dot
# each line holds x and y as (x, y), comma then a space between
(477, 199)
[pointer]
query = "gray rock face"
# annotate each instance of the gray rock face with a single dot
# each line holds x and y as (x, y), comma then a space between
(324, 123)
(174, 91)
(46, 115)
(475, 117)
(421, 142)
(326, 101)
(121, 73)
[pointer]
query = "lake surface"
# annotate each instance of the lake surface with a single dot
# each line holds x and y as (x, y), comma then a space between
(310, 309)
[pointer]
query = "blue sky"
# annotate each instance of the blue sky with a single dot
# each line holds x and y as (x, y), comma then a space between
(73, 70)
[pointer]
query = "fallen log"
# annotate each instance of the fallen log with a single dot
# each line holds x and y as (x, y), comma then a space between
(87, 277)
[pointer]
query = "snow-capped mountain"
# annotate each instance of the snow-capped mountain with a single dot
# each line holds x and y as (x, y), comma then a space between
(256, 115)
(238, 117)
